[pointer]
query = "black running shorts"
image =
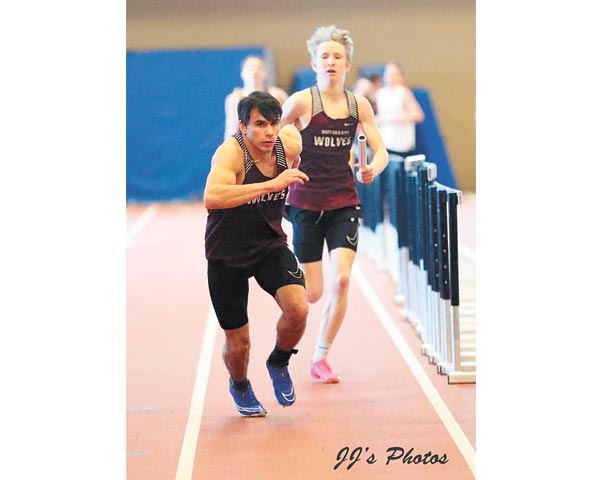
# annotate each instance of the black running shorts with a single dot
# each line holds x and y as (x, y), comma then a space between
(228, 286)
(339, 228)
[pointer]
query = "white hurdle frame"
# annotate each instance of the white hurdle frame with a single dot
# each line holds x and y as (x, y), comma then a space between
(433, 313)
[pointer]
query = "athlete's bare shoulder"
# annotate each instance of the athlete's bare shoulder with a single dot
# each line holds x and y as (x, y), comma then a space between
(297, 106)
(290, 136)
(303, 96)
(229, 153)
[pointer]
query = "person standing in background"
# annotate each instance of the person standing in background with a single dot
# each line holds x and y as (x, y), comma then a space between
(368, 87)
(397, 112)
(254, 76)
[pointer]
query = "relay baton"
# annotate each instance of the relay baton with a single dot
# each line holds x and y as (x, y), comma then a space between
(362, 150)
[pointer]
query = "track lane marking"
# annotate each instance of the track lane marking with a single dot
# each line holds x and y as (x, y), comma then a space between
(459, 437)
(185, 465)
(145, 218)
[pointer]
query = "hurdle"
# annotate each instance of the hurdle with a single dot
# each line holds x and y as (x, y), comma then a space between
(433, 295)
(425, 216)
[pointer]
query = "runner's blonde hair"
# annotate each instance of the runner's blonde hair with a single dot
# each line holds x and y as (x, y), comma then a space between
(330, 33)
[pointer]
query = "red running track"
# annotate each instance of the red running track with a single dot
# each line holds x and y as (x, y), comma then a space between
(380, 404)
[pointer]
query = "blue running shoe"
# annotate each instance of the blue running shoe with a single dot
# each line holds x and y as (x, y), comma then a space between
(246, 403)
(282, 385)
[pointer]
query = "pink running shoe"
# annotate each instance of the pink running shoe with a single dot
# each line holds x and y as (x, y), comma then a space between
(322, 371)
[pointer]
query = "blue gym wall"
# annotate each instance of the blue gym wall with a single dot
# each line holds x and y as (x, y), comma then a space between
(176, 118)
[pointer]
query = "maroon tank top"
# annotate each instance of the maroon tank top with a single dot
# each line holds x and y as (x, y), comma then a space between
(240, 235)
(326, 144)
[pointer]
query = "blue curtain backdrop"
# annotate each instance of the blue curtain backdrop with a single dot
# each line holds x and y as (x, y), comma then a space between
(176, 118)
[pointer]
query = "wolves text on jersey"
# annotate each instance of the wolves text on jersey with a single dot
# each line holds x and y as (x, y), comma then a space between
(269, 197)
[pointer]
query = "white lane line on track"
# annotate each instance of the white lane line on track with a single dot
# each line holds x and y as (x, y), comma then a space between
(145, 218)
(459, 437)
(192, 429)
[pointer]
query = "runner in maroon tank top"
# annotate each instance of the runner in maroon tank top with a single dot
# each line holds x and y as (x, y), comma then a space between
(245, 195)
(327, 208)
